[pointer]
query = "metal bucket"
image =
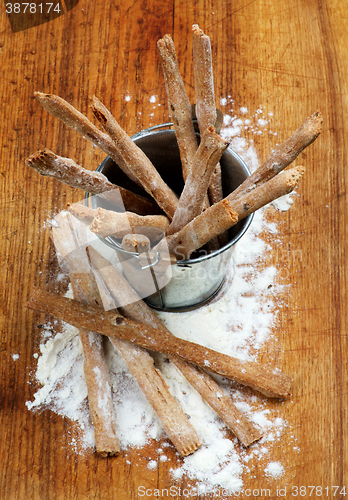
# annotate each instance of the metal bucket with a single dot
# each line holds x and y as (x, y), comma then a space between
(195, 281)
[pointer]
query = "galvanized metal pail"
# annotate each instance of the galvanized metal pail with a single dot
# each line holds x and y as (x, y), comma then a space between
(195, 281)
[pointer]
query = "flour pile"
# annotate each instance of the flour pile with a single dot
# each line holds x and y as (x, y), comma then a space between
(239, 322)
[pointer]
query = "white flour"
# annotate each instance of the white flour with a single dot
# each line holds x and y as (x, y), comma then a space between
(239, 322)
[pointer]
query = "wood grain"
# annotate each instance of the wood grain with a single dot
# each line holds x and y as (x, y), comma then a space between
(288, 57)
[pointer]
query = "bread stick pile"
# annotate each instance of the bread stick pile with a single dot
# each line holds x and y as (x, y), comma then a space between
(186, 221)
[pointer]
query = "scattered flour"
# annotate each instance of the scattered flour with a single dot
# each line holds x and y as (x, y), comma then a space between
(238, 322)
(15, 357)
(274, 469)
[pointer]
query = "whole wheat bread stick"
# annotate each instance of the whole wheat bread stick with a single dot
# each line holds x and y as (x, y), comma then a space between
(179, 105)
(223, 215)
(205, 385)
(136, 243)
(136, 160)
(151, 381)
(138, 360)
(82, 212)
(95, 370)
(205, 105)
(67, 171)
(112, 324)
(61, 109)
(204, 82)
(283, 155)
(98, 384)
(191, 200)
(118, 224)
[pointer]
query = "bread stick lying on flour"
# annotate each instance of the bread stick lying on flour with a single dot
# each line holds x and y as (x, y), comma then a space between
(113, 324)
(95, 370)
(205, 99)
(223, 215)
(191, 200)
(137, 310)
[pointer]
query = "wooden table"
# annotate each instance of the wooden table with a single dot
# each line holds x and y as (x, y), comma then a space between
(290, 57)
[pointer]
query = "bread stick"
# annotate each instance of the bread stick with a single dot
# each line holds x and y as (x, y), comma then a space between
(137, 310)
(136, 243)
(223, 215)
(112, 324)
(61, 109)
(70, 173)
(118, 224)
(205, 105)
(283, 155)
(136, 160)
(178, 103)
(192, 198)
(82, 212)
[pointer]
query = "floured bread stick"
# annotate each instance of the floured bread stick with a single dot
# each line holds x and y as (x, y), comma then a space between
(137, 310)
(82, 213)
(136, 160)
(118, 224)
(210, 391)
(146, 281)
(179, 106)
(151, 381)
(136, 243)
(283, 155)
(67, 171)
(223, 215)
(95, 370)
(112, 324)
(192, 198)
(180, 112)
(204, 83)
(61, 109)
(138, 360)
(198, 232)
(205, 105)
(98, 384)
(131, 202)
